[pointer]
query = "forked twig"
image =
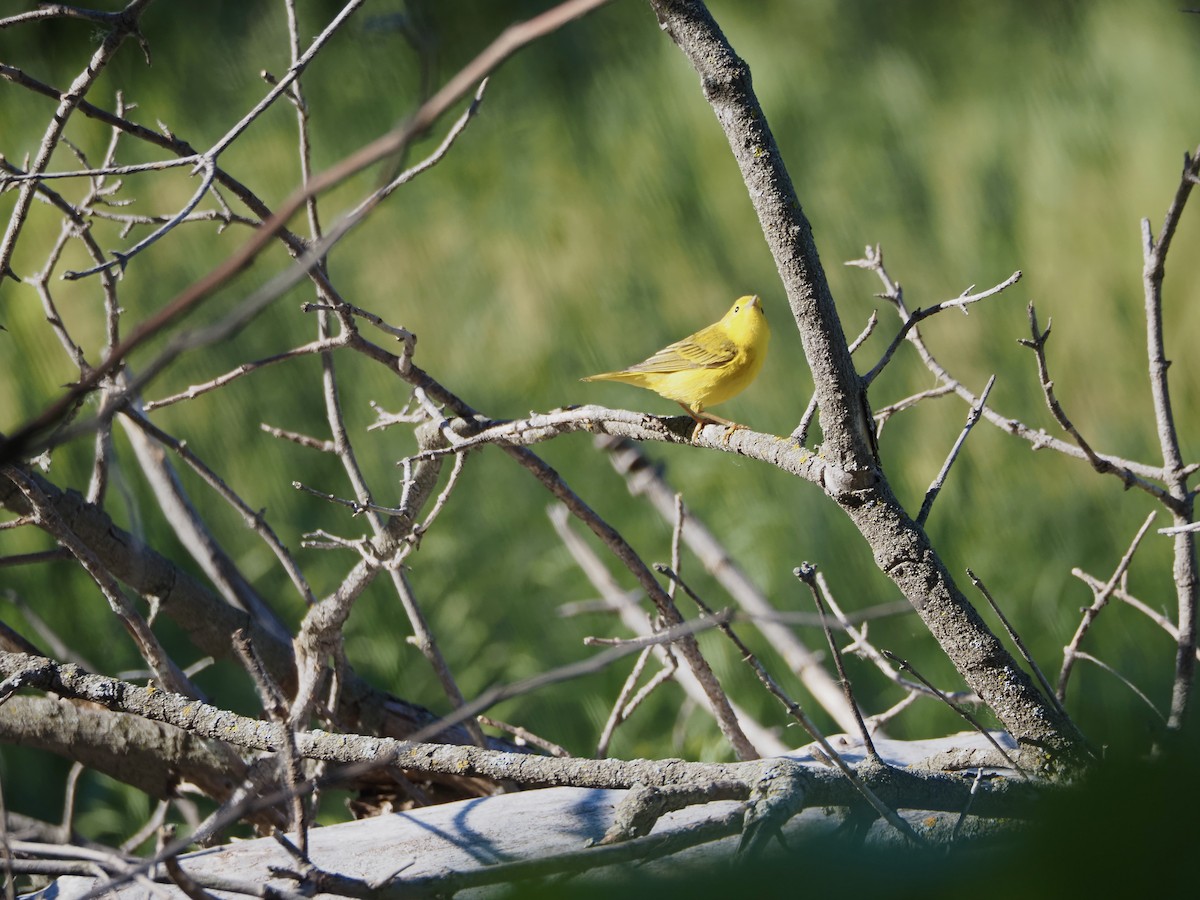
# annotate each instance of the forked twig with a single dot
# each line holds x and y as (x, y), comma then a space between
(1120, 593)
(622, 707)
(1070, 652)
(911, 320)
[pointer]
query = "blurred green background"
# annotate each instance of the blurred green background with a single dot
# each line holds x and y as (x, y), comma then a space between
(590, 214)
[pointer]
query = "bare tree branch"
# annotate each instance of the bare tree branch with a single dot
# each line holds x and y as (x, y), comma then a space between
(1070, 652)
(940, 479)
(122, 26)
(23, 441)
(854, 480)
(644, 479)
(1186, 568)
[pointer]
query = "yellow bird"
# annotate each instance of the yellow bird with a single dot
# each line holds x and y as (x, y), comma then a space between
(707, 368)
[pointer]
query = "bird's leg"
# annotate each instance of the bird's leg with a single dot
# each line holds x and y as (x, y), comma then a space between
(697, 417)
(703, 418)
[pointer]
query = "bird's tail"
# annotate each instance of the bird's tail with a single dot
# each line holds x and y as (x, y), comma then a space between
(614, 376)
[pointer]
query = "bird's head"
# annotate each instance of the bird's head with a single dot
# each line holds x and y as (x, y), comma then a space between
(745, 320)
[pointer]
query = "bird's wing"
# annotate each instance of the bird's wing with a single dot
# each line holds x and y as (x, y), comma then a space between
(700, 351)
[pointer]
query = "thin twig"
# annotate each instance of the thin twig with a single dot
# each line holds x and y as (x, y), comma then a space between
(1080, 654)
(1119, 593)
(936, 486)
(1037, 343)
(525, 736)
(1171, 531)
(423, 639)
(885, 413)
(961, 302)
(962, 711)
(807, 574)
(246, 368)
(676, 537)
(882, 718)
(962, 816)
(1047, 689)
(1101, 597)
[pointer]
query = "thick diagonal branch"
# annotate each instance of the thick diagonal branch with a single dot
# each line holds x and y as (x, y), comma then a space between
(900, 546)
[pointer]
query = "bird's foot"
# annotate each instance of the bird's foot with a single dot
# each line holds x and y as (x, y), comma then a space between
(710, 419)
(730, 428)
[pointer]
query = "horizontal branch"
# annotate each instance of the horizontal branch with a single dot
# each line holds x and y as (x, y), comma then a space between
(149, 755)
(907, 789)
(783, 453)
